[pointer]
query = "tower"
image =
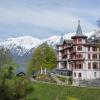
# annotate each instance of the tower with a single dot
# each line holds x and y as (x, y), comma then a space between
(79, 37)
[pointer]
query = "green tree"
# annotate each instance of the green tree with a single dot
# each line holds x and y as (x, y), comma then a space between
(5, 56)
(12, 87)
(44, 56)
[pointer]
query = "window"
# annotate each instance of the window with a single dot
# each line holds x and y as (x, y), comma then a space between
(79, 55)
(88, 48)
(89, 56)
(74, 74)
(95, 74)
(75, 40)
(80, 66)
(79, 40)
(94, 49)
(79, 48)
(94, 56)
(89, 65)
(99, 65)
(99, 56)
(79, 75)
(95, 65)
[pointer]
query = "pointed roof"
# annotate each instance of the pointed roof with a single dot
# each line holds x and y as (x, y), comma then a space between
(79, 32)
(61, 40)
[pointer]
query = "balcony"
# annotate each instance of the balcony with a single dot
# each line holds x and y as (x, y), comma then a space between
(76, 59)
(72, 51)
(62, 60)
(66, 47)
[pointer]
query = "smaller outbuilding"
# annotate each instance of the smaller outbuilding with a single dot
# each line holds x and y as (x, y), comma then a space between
(20, 74)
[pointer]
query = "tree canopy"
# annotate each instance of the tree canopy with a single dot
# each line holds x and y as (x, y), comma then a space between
(44, 56)
(5, 56)
(11, 86)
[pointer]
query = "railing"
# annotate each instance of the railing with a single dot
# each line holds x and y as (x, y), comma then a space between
(76, 58)
(62, 59)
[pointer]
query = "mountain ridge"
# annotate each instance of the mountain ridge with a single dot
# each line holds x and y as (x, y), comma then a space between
(23, 47)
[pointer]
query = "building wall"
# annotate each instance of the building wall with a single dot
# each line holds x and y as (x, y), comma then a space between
(86, 73)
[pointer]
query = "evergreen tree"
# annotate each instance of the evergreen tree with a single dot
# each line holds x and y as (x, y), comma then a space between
(44, 56)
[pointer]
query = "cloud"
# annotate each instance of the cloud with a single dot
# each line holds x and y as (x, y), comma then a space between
(50, 19)
(51, 16)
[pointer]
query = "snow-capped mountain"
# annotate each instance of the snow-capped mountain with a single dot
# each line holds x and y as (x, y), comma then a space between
(55, 39)
(23, 47)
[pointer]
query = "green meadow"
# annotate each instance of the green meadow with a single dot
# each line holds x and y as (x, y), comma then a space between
(44, 91)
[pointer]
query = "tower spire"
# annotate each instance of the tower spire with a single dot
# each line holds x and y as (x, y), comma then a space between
(79, 30)
(61, 39)
(78, 22)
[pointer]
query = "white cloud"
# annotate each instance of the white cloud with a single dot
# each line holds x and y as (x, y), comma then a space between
(44, 18)
(36, 17)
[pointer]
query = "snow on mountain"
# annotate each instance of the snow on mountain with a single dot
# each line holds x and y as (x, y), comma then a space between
(21, 45)
(25, 44)
(55, 39)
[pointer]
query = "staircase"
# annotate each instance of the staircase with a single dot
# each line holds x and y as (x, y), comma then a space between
(56, 79)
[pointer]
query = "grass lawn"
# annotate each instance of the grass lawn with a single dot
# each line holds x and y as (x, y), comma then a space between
(45, 91)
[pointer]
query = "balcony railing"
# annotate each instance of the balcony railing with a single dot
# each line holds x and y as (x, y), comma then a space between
(76, 58)
(62, 60)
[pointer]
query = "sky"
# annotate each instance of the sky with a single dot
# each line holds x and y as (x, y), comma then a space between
(44, 18)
